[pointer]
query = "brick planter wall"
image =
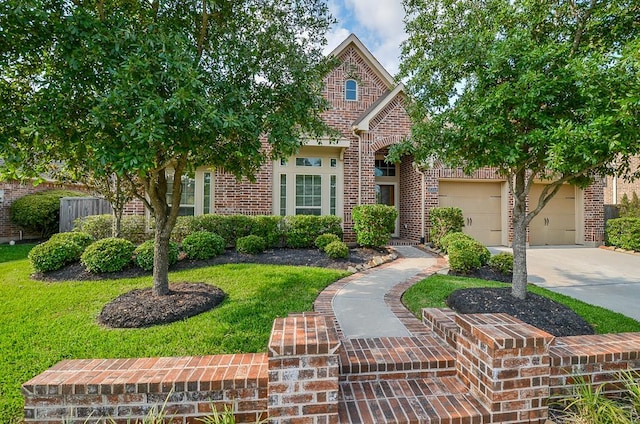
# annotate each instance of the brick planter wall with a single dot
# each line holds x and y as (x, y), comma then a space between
(303, 370)
(505, 362)
(90, 390)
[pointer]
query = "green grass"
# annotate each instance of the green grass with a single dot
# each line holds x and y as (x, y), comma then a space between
(15, 252)
(43, 323)
(433, 291)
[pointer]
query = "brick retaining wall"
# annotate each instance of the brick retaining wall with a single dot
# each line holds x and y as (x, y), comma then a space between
(512, 368)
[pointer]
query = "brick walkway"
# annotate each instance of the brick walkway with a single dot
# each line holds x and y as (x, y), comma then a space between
(399, 379)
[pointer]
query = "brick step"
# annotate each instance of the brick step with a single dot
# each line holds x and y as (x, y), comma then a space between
(385, 358)
(442, 400)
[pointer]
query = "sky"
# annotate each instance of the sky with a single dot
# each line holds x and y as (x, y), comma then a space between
(377, 23)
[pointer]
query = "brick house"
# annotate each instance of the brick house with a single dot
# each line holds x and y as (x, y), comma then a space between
(367, 108)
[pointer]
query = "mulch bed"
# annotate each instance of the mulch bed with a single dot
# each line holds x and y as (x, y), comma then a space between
(541, 312)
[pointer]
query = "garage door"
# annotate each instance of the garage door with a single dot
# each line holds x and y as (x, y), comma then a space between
(556, 223)
(481, 206)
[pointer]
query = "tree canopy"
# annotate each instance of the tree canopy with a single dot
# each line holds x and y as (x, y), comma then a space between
(146, 89)
(538, 89)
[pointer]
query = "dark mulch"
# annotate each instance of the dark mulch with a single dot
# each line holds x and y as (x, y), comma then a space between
(298, 257)
(539, 311)
(141, 308)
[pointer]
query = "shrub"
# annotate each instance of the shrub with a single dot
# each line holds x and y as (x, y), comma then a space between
(81, 239)
(443, 222)
(452, 237)
(624, 233)
(132, 227)
(270, 228)
(98, 226)
(108, 255)
(467, 254)
(203, 245)
(250, 244)
(54, 254)
(374, 224)
(185, 225)
(502, 262)
(324, 239)
(40, 212)
(229, 227)
(301, 231)
(144, 254)
(337, 249)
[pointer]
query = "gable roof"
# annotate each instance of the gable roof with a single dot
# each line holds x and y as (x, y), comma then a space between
(362, 123)
(373, 63)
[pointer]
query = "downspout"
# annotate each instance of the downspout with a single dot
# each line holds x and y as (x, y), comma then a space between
(615, 190)
(354, 131)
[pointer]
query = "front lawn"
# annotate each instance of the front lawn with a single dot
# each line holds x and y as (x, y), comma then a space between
(433, 291)
(15, 252)
(43, 323)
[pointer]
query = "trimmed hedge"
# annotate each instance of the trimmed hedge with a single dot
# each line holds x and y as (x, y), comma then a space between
(145, 252)
(132, 227)
(54, 254)
(443, 222)
(453, 237)
(40, 212)
(337, 250)
(203, 245)
(108, 255)
(466, 254)
(624, 233)
(250, 244)
(81, 239)
(301, 231)
(324, 239)
(374, 224)
(502, 262)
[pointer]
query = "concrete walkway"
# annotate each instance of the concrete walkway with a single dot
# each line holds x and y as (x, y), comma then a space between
(360, 307)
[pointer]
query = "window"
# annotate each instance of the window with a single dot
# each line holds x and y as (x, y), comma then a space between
(308, 195)
(308, 161)
(384, 169)
(188, 197)
(309, 184)
(206, 193)
(283, 194)
(350, 90)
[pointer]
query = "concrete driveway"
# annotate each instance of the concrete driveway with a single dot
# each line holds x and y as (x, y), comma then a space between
(596, 276)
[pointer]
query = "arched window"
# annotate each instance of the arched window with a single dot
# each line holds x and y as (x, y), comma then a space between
(351, 90)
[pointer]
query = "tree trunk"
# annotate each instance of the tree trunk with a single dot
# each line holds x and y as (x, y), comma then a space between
(161, 257)
(116, 229)
(519, 281)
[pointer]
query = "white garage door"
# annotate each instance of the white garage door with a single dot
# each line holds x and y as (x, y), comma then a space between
(556, 222)
(481, 206)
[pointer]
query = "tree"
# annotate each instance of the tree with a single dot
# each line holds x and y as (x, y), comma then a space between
(149, 89)
(538, 89)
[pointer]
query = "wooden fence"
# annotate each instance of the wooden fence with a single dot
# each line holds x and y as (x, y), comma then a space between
(72, 208)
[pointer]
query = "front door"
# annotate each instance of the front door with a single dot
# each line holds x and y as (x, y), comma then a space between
(386, 194)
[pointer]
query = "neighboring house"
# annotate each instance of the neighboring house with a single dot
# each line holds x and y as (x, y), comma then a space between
(367, 108)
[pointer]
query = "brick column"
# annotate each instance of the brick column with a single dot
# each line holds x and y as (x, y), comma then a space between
(303, 370)
(506, 364)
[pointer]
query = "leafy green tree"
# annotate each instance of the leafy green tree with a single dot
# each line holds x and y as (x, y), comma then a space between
(148, 89)
(538, 89)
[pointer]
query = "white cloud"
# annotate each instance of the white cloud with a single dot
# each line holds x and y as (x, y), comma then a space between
(379, 25)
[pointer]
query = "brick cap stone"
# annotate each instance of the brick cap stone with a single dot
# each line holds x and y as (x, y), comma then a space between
(502, 331)
(303, 335)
